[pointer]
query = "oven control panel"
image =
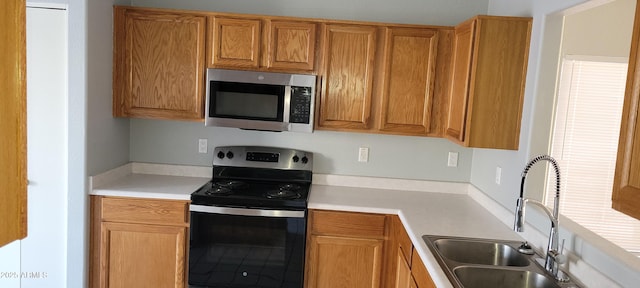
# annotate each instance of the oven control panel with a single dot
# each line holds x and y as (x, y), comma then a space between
(263, 157)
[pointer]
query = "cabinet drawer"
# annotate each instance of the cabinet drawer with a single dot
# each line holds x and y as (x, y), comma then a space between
(347, 223)
(150, 211)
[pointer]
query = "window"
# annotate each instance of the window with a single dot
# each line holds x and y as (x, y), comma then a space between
(585, 143)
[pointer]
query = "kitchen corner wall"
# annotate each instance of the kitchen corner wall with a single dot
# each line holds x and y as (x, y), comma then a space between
(405, 157)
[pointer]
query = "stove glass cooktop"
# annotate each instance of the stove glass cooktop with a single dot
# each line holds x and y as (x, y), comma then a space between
(252, 194)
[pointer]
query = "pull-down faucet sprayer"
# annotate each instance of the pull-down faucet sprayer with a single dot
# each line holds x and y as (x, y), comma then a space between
(553, 257)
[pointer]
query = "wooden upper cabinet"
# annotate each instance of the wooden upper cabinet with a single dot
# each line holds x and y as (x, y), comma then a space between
(13, 122)
(462, 45)
(292, 45)
(347, 77)
(262, 44)
(409, 68)
(626, 182)
(487, 86)
(235, 42)
(158, 64)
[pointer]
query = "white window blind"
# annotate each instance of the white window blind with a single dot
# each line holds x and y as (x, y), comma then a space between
(585, 143)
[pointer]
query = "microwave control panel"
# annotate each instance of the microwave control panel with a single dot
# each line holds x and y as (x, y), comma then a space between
(300, 108)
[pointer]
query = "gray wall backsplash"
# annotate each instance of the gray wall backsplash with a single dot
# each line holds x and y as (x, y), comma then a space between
(405, 157)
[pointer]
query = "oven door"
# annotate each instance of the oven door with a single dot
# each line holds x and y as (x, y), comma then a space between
(237, 247)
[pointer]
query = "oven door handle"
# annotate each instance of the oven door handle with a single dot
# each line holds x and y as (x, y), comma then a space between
(246, 211)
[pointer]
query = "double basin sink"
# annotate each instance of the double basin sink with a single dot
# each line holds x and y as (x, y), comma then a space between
(480, 263)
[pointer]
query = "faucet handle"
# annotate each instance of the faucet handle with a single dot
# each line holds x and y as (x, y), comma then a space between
(525, 248)
(558, 257)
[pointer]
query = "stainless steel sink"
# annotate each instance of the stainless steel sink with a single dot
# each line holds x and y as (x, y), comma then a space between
(480, 277)
(480, 252)
(479, 263)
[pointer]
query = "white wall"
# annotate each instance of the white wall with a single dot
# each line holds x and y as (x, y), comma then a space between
(43, 251)
(599, 263)
(601, 31)
(406, 157)
(432, 12)
(40, 260)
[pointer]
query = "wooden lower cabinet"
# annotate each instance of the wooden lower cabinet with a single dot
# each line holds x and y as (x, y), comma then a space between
(138, 242)
(405, 269)
(344, 249)
(349, 249)
(344, 262)
(403, 277)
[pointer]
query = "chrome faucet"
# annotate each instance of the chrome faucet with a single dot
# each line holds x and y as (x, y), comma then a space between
(554, 257)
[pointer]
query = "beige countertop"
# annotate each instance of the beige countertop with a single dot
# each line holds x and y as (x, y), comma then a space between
(425, 207)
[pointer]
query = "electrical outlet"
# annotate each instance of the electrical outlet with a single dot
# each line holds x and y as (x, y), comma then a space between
(453, 159)
(363, 154)
(498, 175)
(202, 146)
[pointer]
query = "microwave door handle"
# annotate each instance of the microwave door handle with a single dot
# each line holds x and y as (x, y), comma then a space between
(246, 211)
(287, 104)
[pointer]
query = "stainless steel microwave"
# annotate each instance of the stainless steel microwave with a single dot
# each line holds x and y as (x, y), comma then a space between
(260, 100)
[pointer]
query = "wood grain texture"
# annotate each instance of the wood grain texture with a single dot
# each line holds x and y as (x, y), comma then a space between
(235, 42)
(347, 223)
(403, 272)
(138, 255)
(126, 253)
(292, 45)
(420, 273)
(13, 122)
(148, 211)
(158, 64)
(626, 182)
(463, 47)
(95, 239)
(348, 68)
(342, 262)
(487, 87)
(442, 86)
(501, 54)
(409, 65)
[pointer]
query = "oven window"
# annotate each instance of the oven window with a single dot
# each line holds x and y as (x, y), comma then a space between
(246, 101)
(246, 251)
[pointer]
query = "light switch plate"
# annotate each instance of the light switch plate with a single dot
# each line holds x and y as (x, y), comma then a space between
(363, 154)
(453, 159)
(202, 146)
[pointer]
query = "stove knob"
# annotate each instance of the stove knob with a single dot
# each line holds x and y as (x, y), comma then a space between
(221, 155)
(296, 159)
(305, 159)
(230, 155)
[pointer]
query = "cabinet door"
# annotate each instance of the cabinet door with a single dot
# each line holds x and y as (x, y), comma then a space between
(410, 56)
(159, 65)
(13, 122)
(626, 182)
(403, 272)
(292, 45)
(419, 271)
(138, 255)
(341, 262)
(235, 43)
(463, 48)
(349, 56)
